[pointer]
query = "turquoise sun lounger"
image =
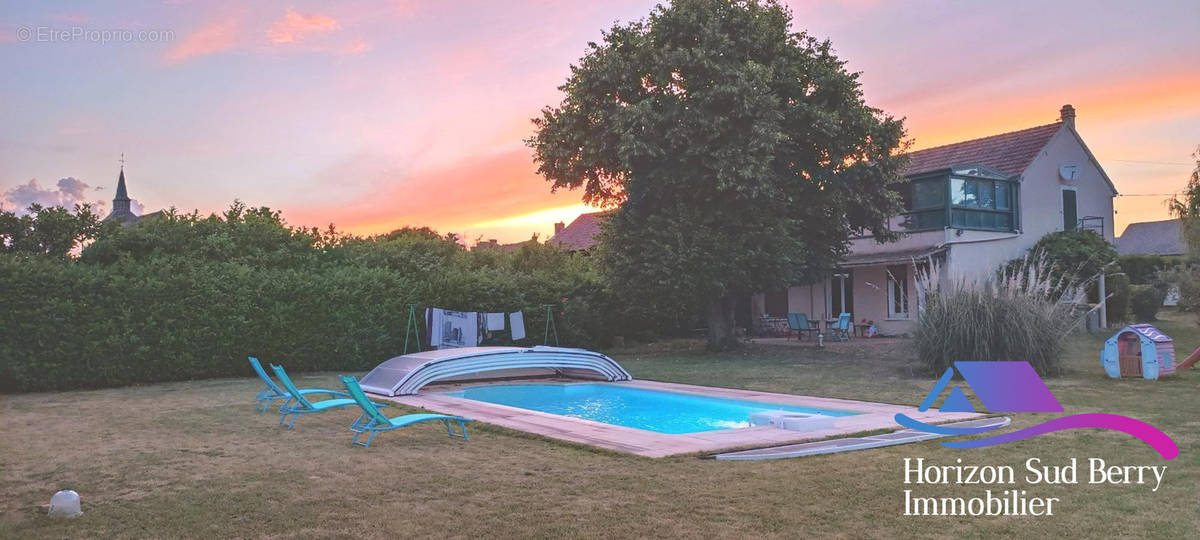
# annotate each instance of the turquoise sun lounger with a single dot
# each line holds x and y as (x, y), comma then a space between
(298, 404)
(371, 421)
(272, 392)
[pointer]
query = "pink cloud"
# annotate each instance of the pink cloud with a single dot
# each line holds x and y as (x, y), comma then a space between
(69, 192)
(214, 37)
(294, 27)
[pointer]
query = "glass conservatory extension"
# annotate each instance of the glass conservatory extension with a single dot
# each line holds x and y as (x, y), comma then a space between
(967, 197)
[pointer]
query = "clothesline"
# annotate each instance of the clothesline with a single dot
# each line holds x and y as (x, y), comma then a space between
(446, 329)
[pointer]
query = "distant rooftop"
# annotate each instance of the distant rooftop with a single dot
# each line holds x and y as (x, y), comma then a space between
(581, 233)
(1152, 238)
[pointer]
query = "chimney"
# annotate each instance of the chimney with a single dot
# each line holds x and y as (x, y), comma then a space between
(1067, 115)
(558, 227)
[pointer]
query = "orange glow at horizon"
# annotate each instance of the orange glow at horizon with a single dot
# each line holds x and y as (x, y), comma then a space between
(375, 116)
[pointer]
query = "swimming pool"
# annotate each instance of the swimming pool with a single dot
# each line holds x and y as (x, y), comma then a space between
(641, 408)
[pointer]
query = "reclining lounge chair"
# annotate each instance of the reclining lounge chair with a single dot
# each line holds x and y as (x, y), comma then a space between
(298, 404)
(272, 392)
(371, 421)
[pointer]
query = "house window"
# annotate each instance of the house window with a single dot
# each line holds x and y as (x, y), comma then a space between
(966, 198)
(1070, 210)
(775, 303)
(926, 204)
(981, 204)
(897, 290)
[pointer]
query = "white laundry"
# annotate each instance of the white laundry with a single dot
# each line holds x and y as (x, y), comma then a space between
(455, 329)
(516, 319)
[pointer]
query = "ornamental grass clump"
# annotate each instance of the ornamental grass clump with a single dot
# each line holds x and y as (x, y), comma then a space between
(1022, 313)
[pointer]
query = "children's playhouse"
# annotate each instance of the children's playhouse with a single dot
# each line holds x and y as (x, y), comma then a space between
(1139, 350)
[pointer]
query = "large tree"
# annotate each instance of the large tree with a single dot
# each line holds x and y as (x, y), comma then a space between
(740, 154)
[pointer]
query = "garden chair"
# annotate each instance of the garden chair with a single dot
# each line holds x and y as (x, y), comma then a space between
(372, 422)
(844, 327)
(272, 392)
(298, 404)
(799, 323)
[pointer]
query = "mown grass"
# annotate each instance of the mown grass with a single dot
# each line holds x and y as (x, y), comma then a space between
(195, 460)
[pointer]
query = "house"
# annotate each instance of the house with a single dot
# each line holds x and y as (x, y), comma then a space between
(1152, 238)
(971, 206)
(581, 234)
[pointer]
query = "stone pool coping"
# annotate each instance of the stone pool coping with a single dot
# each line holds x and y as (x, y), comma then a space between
(874, 416)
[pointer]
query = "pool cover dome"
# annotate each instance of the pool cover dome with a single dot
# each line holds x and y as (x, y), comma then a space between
(404, 375)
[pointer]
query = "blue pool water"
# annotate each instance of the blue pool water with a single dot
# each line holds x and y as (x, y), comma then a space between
(654, 410)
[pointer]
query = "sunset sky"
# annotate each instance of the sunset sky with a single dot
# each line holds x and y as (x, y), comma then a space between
(376, 115)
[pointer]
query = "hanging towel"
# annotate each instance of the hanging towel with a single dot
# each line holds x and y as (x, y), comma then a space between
(495, 322)
(457, 329)
(516, 319)
(433, 326)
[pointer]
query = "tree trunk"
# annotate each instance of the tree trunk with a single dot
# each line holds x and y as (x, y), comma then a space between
(720, 324)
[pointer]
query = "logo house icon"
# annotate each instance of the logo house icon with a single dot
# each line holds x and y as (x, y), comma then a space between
(1016, 387)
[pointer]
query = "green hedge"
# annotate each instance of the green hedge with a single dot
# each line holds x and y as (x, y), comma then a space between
(190, 297)
(1143, 269)
(69, 326)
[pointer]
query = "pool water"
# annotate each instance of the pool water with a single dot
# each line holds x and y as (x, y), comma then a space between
(641, 408)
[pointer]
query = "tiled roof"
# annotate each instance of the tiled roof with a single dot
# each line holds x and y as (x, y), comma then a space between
(1010, 153)
(581, 233)
(1152, 238)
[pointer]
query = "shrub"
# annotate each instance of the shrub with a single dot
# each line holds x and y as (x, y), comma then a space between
(1079, 254)
(1187, 279)
(1014, 316)
(1070, 258)
(1145, 300)
(1143, 269)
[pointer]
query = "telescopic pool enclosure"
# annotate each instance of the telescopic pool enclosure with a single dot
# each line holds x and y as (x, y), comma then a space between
(406, 375)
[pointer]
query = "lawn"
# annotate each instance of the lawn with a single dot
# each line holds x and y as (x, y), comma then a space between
(195, 459)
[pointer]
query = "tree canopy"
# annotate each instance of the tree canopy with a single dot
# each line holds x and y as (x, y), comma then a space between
(740, 154)
(54, 231)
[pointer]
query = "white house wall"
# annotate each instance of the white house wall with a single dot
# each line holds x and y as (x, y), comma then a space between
(979, 253)
(1041, 190)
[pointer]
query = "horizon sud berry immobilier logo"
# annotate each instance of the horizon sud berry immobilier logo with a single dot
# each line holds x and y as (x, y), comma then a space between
(1016, 387)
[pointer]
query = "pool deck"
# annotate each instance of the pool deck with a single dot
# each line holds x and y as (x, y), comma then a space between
(874, 416)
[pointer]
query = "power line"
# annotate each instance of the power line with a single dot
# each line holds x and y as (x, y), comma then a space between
(1146, 162)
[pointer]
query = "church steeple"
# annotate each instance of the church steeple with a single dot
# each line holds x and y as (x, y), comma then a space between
(121, 203)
